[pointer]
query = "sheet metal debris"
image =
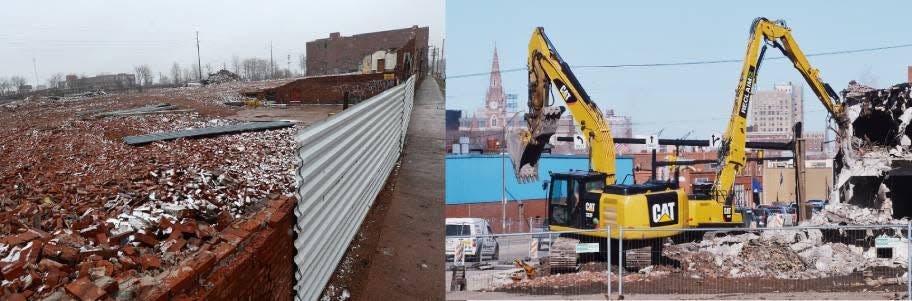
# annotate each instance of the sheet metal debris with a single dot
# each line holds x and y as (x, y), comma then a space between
(162, 108)
(207, 132)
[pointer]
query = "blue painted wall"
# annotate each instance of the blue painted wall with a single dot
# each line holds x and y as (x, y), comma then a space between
(477, 178)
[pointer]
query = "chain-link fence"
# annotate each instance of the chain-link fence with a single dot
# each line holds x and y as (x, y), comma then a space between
(706, 263)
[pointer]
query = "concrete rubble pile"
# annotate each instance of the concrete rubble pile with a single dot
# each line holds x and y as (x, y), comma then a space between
(848, 214)
(85, 216)
(874, 147)
(222, 76)
(784, 253)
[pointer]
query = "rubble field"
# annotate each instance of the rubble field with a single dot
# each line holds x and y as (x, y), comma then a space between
(757, 260)
(86, 216)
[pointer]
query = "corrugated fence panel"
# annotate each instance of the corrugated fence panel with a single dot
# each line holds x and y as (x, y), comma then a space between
(343, 163)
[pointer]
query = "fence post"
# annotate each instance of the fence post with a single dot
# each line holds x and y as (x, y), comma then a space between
(620, 262)
(608, 259)
(909, 261)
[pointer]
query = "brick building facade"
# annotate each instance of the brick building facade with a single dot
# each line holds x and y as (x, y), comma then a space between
(338, 54)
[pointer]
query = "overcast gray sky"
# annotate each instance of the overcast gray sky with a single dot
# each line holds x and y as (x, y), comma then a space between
(91, 37)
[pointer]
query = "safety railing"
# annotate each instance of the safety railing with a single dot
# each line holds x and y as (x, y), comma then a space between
(343, 162)
(836, 261)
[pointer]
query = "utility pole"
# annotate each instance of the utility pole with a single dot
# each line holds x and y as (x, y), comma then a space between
(800, 172)
(35, 66)
(199, 62)
(442, 58)
(271, 63)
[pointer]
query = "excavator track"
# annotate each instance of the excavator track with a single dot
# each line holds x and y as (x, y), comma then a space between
(638, 258)
(562, 255)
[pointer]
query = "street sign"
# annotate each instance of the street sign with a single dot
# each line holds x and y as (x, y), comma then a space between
(587, 248)
(652, 142)
(579, 143)
(715, 140)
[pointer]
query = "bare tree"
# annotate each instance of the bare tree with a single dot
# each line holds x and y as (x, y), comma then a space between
(143, 74)
(163, 79)
(303, 64)
(187, 75)
(195, 72)
(256, 68)
(17, 81)
(176, 73)
(4, 85)
(208, 69)
(54, 80)
(236, 63)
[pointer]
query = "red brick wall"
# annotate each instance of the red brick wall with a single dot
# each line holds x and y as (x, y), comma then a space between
(253, 261)
(327, 89)
(492, 212)
(339, 54)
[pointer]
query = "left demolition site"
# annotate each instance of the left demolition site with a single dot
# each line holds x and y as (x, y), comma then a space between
(111, 189)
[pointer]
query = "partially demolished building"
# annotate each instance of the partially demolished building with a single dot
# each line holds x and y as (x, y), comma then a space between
(874, 159)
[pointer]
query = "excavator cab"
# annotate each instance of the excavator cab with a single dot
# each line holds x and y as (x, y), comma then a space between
(573, 199)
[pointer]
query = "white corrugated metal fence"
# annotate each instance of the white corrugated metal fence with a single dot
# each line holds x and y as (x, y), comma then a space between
(343, 163)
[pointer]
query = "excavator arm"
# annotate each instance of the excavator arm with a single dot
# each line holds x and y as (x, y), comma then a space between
(547, 68)
(763, 32)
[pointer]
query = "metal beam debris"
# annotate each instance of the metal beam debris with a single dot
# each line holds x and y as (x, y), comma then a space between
(207, 132)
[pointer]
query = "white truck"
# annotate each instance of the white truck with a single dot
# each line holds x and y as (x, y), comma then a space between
(465, 231)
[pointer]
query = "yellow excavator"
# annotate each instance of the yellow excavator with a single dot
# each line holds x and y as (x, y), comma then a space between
(579, 200)
(592, 199)
(763, 33)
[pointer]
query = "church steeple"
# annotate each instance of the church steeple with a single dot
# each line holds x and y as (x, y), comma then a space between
(495, 98)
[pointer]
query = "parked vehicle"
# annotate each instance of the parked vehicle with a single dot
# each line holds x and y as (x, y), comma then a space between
(476, 248)
(763, 212)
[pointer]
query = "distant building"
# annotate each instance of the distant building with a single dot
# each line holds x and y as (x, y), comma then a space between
(338, 54)
(24, 89)
(775, 112)
(621, 126)
(102, 82)
(485, 126)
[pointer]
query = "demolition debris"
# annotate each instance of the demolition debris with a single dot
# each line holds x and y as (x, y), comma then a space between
(85, 216)
(874, 158)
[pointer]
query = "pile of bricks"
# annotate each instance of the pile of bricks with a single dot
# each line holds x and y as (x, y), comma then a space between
(84, 216)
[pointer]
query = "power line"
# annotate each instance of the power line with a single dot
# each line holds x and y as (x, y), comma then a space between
(701, 62)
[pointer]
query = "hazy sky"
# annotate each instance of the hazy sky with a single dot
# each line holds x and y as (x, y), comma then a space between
(681, 98)
(91, 37)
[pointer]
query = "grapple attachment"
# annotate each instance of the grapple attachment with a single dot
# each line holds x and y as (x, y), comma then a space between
(526, 145)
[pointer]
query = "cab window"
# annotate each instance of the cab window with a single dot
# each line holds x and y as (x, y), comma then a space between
(559, 192)
(458, 230)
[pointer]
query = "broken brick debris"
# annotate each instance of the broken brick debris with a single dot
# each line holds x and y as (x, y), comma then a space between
(90, 218)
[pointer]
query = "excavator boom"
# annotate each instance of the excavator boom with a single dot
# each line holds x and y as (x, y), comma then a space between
(547, 68)
(732, 155)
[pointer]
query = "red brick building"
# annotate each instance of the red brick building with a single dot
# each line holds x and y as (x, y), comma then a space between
(338, 54)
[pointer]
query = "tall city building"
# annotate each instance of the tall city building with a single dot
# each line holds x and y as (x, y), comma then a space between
(774, 112)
